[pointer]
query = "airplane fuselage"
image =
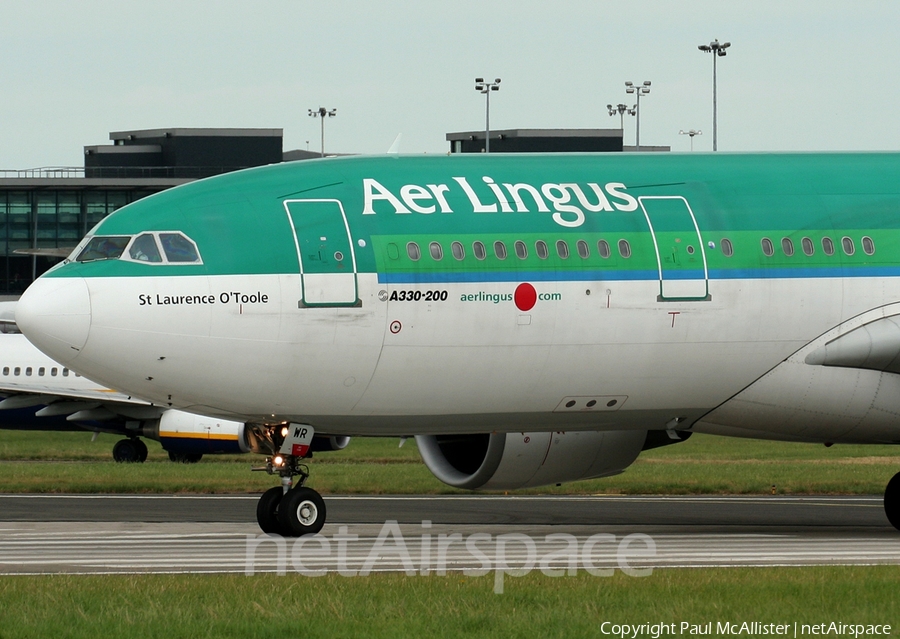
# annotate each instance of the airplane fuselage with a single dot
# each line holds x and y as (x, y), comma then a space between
(415, 295)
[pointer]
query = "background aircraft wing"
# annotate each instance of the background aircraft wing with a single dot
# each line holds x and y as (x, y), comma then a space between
(75, 404)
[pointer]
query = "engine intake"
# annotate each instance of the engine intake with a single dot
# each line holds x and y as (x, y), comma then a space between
(506, 461)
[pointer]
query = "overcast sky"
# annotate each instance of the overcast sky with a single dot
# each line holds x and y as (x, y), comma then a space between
(807, 76)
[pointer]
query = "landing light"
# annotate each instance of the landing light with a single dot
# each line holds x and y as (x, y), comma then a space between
(278, 461)
(284, 431)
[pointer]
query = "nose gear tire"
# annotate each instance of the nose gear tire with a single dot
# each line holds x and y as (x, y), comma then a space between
(267, 511)
(301, 512)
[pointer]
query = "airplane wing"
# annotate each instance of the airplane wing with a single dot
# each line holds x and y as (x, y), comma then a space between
(76, 404)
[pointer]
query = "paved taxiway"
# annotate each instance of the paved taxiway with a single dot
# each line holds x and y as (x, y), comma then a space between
(118, 533)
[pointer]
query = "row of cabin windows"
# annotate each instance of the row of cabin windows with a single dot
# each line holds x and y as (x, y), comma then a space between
(809, 248)
(41, 371)
(541, 249)
(479, 250)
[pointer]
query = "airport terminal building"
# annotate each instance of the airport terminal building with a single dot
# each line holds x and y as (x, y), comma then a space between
(53, 208)
(44, 211)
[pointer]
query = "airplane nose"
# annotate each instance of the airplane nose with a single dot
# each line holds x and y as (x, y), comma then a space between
(54, 313)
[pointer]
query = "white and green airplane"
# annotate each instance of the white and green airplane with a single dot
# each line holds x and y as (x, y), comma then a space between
(531, 319)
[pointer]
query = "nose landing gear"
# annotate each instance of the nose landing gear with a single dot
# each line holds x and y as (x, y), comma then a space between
(292, 509)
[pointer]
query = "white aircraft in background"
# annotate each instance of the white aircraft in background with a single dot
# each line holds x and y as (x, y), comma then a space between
(40, 394)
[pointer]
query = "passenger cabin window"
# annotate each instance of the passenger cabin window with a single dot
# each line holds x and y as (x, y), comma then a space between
(28, 371)
(727, 247)
(6, 370)
(808, 247)
(521, 249)
(847, 245)
(868, 245)
(144, 249)
(17, 371)
(583, 251)
(541, 249)
(500, 250)
(412, 249)
(562, 249)
(603, 249)
(458, 251)
(624, 248)
(41, 371)
(479, 250)
(178, 248)
(787, 246)
(65, 372)
(437, 252)
(767, 247)
(103, 248)
(53, 372)
(827, 246)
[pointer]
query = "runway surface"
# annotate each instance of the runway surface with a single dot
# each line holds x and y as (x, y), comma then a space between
(137, 534)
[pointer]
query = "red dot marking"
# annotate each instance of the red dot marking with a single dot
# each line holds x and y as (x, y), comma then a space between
(525, 297)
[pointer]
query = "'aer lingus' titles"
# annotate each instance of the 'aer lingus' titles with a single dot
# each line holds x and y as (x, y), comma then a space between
(568, 202)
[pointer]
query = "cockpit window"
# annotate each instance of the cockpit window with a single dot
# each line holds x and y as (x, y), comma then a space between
(144, 249)
(178, 248)
(103, 248)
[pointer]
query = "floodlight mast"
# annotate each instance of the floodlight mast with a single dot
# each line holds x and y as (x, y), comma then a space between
(485, 88)
(322, 113)
(621, 110)
(718, 50)
(638, 91)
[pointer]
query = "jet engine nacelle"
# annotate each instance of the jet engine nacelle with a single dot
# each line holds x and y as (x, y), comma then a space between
(187, 433)
(506, 461)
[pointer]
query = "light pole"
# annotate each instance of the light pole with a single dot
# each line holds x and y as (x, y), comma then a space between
(486, 87)
(621, 110)
(717, 49)
(638, 91)
(691, 133)
(322, 113)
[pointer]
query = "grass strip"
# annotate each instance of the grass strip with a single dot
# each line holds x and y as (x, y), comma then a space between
(702, 465)
(391, 605)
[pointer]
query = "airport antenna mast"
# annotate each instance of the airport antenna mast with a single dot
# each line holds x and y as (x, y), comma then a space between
(717, 49)
(322, 113)
(486, 87)
(691, 133)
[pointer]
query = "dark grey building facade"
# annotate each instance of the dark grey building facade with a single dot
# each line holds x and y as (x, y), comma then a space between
(538, 141)
(182, 153)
